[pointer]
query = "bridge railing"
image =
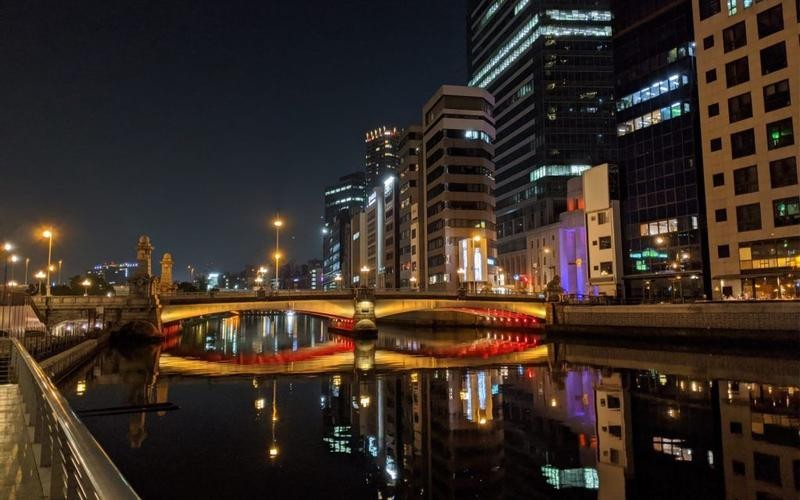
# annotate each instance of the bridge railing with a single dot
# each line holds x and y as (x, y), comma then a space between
(77, 465)
(79, 300)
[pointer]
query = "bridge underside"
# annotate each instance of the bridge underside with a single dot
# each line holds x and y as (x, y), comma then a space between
(497, 311)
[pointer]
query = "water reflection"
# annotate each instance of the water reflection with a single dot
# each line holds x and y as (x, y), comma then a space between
(583, 421)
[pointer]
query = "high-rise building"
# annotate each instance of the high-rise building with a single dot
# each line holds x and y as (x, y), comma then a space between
(380, 154)
(347, 194)
(411, 219)
(459, 188)
(341, 201)
(549, 66)
(658, 129)
(391, 233)
(375, 239)
(748, 60)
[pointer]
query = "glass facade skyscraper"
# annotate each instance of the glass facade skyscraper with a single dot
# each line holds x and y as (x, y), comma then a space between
(380, 154)
(659, 156)
(549, 66)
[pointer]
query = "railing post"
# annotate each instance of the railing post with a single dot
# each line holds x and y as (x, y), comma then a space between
(57, 470)
(47, 441)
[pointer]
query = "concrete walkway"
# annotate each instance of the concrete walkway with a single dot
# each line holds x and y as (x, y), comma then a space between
(19, 477)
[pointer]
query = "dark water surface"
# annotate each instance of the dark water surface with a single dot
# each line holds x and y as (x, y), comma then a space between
(280, 408)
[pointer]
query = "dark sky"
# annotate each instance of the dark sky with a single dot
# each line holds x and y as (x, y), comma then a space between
(194, 121)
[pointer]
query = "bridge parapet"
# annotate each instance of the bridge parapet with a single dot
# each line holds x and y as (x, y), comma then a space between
(110, 311)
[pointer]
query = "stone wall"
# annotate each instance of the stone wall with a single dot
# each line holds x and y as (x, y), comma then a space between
(732, 315)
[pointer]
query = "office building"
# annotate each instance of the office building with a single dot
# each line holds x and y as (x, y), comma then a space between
(549, 66)
(748, 62)
(391, 233)
(380, 154)
(341, 201)
(347, 194)
(660, 163)
(373, 264)
(459, 188)
(359, 270)
(557, 249)
(410, 219)
(603, 230)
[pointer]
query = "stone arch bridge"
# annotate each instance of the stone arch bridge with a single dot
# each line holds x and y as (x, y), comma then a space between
(358, 305)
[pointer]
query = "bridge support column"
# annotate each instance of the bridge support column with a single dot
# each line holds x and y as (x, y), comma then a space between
(364, 310)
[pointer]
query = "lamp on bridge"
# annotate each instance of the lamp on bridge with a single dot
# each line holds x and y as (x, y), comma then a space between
(277, 270)
(86, 284)
(7, 247)
(338, 280)
(365, 276)
(14, 259)
(39, 276)
(277, 223)
(413, 281)
(48, 233)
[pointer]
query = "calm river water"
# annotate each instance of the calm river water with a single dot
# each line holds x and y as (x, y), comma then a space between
(278, 407)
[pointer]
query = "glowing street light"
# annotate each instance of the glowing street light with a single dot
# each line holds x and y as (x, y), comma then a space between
(86, 284)
(277, 267)
(338, 280)
(277, 223)
(7, 247)
(39, 276)
(48, 233)
(60, 263)
(365, 277)
(13, 259)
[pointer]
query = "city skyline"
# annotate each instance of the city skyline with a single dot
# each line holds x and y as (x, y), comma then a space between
(165, 118)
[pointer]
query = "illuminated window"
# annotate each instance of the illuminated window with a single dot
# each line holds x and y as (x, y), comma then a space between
(786, 211)
(731, 7)
(780, 134)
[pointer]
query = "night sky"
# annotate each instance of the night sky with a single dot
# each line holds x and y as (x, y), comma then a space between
(194, 121)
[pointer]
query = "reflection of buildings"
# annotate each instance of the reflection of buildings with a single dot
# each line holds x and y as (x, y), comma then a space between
(136, 369)
(760, 428)
(424, 434)
(614, 462)
(466, 436)
(674, 436)
(550, 431)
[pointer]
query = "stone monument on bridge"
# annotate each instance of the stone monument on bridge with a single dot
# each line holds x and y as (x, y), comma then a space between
(141, 282)
(165, 284)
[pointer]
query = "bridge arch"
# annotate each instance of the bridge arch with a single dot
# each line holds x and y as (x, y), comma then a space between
(339, 308)
(385, 308)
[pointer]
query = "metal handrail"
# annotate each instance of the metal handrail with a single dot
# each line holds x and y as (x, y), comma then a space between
(78, 466)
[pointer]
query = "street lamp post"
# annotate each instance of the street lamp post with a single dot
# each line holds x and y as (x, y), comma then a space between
(413, 281)
(278, 223)
(39, 276)
(86, 284)
(49, 235)
(338, 280)
(27, 263)
(7, 247)
(60, 263)
(365, 276)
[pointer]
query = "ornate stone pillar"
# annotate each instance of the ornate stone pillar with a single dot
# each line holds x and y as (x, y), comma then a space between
(166, 285)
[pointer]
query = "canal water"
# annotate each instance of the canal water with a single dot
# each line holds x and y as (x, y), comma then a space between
(278, 407)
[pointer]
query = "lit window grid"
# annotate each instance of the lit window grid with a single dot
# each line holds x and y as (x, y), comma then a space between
(648, 119)
(658, 88)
